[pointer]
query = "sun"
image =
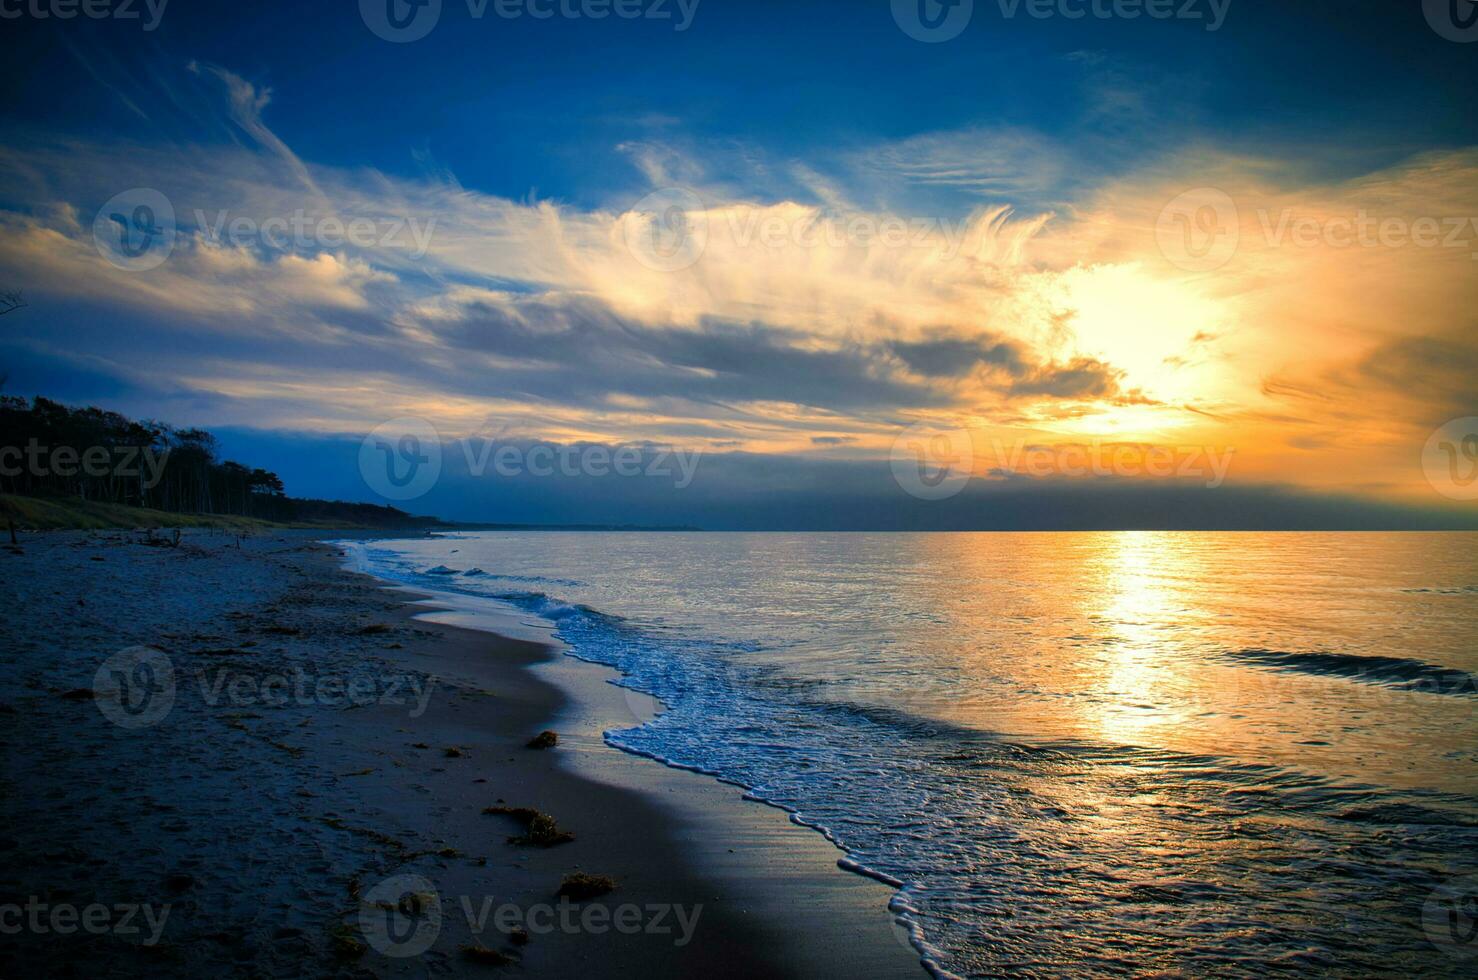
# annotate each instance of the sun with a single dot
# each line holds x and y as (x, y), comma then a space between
(1151, 328)
(1160, 332)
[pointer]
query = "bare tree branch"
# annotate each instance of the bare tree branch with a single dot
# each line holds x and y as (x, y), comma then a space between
(10, 301)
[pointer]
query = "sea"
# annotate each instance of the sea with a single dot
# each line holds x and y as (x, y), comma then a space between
(1087, 753)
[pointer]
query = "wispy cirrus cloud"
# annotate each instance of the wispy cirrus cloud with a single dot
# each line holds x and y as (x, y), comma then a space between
(803, 323)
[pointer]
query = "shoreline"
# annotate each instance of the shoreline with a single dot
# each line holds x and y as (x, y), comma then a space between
(787, 877)
(266, 829)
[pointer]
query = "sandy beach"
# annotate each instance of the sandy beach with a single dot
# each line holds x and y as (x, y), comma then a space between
(228, 754)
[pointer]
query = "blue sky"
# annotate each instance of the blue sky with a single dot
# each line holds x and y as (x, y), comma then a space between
(528, 146)
(519, 106)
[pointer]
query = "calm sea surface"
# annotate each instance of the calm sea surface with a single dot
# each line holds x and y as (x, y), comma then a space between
(1109, 753)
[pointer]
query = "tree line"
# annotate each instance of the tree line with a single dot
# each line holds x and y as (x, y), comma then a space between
(48, 449)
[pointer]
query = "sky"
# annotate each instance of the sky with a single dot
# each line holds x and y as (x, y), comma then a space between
(1078, 263)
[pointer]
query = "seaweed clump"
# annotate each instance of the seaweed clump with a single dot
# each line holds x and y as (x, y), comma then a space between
(487, 957)
(344, 943)
(580, 886)
(543, 740)
(540, 829)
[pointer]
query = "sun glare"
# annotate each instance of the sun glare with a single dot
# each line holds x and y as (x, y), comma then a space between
(1147, 326)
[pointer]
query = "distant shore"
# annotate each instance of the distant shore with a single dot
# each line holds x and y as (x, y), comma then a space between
(325, 758)
(59, 514)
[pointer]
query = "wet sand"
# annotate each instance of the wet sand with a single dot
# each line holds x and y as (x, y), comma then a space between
(320, 742)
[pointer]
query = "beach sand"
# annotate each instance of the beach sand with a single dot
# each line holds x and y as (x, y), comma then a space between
(320, 741)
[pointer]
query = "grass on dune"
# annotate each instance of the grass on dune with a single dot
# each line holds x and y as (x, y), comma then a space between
(52, 514)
